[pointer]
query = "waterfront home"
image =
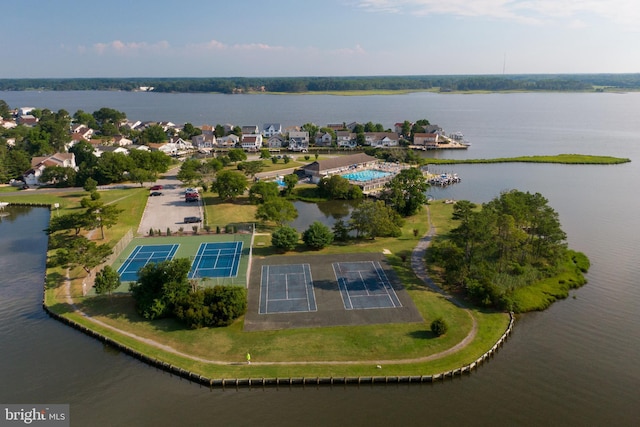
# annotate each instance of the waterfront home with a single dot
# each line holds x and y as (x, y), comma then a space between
(27, 120)
(335, 165)
(204, 141)
(121, 141)
(251, 142)
(228, 141)
(271, 129)
(324, 139)
(275, 141)
(39, 164)
(83, 130)
(250, 130)
(299, 141)
(381, 139)
(426, 140)
(346, 139)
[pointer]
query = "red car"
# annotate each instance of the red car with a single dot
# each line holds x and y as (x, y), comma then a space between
(156, 187)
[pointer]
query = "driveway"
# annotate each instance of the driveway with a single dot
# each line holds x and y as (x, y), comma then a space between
(170, 209)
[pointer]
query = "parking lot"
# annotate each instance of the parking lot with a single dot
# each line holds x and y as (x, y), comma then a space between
(170, 209)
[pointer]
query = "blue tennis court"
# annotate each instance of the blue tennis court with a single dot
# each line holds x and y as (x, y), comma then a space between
(364, 285)
(219, 259)
(286, 289)
(143, 255)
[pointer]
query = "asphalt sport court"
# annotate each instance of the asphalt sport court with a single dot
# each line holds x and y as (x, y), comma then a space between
(364, 285)
(143, 255)
(303, 291)
(286, 289)
(220, 259)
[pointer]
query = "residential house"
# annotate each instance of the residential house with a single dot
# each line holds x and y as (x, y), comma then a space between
(208, 129)
(83, 130)
(121, 141)
(138, 147)
(251, 142)
(7, 124)
(27, 120)
(275, 142)
(99, 150)
(346, 139)
(426, 140)
(132, 125)
(381, 139)
(204, 141)
(250, 130)
(336, 126)
(228, 141)
(298, 140)
(167, 125)
(39, 164)
(323, 139)
(271, 129)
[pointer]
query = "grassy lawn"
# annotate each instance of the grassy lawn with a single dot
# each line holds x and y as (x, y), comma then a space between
(309, 352)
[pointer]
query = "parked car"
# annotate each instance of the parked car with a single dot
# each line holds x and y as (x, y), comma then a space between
(191, 190)
(157, 187)
(191, 219)
(155, 193)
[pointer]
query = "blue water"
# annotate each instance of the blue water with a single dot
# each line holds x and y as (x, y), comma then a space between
(365, 175)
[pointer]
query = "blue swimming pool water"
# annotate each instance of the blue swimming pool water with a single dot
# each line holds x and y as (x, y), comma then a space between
(365, 175)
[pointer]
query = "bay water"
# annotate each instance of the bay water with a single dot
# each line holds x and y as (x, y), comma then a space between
(573, 364)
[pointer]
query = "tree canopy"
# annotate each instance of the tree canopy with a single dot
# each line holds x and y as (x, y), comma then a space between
(512, 242)
(405, 193)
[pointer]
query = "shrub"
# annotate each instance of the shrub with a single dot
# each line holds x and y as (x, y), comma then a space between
(151, 232)
(217, 306)
(285, 238)
(168, 231)
(317, 236)
(439, 327)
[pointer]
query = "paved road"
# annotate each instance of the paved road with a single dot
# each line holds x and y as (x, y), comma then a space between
(170, 209)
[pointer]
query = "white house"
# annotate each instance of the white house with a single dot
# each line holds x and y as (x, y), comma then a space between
(346, 139)
(39, 164)
(325, 139)
(250, 130)
(99, 150)
(228, 141)
(298, 141)
(251, 142)
(381, 139)
(271, 129)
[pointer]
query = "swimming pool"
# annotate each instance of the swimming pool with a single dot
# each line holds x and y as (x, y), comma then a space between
(366, 175)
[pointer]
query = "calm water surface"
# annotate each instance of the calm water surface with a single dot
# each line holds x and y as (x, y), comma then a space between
(574, 364)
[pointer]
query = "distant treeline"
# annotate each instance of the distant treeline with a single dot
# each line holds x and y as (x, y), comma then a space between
(523, 82)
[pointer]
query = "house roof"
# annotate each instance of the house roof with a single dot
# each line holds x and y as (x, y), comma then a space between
(340, 161)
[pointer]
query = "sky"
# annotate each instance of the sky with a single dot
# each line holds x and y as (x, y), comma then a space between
(272, 38)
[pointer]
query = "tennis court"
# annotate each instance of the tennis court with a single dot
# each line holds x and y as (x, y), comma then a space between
(286, 288)
(364, 285)
(142, 255)
(218, 259)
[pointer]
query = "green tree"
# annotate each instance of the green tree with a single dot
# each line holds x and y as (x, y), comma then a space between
(278, 210)
(153, 134)
(189, 171)
(439, 327)
(371, 219)
(262, 191)
(406, 192)
(229, 184)
(264, 153)
(160, 286)
(72, 221)
(290, 182)
(341, 231)
(82, 252)
(5, 111)
(251, 168)
(101, 215)
(237, 155)
(217, 306)
(142, 175)
(107, 280)
(90, 185)
(111, 167)
(285, 238)
(317, 236)
(59, 176)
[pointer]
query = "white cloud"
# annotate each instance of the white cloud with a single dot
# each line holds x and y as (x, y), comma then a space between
(625, 13)
(128, 48)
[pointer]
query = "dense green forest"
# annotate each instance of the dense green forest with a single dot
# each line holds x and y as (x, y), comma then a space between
(523, 82)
